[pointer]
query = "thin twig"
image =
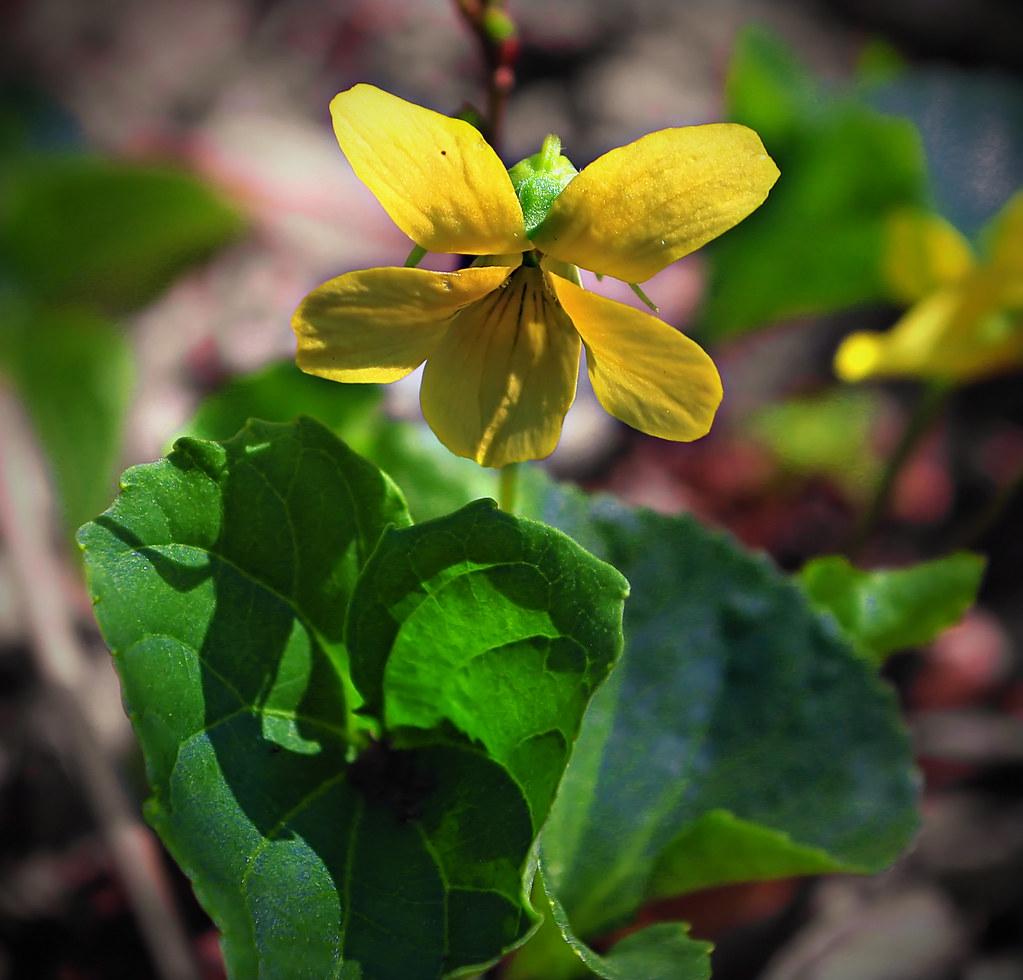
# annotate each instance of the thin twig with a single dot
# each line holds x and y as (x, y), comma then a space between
(25, 515)
(499, 44)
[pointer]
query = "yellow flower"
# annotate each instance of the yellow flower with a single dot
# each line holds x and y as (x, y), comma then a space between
(967, 321)
(502, 339)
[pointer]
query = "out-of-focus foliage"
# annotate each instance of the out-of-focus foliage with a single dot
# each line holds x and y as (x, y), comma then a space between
(435, 481)
(73, 370)
(104, 233)
(741, 737)
(816, 244)
(882, 611)
(971, 123)
(659, 952)
(83, 239)
(828, 434)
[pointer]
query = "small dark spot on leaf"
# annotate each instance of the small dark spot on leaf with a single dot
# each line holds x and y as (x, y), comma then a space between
(443, 153)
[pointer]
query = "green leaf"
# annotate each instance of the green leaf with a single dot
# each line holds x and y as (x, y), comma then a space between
(530, 627)
(659, 952)
(887, 610)
(433, 480)
(281, 392)
(107, 234)
(739, 718)
(73, 371)
(222, 577)
(816, 244)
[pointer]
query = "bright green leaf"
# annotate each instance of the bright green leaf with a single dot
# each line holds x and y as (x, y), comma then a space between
(531, 625)
(887, 610)
(815, 245)
(739, 717)
(73, 371)
(222, 577)
(107, 234)
(719, 848)
(659, 952)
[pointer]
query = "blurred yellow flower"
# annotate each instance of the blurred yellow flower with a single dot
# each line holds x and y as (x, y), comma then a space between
(502, 339)
(967, 321)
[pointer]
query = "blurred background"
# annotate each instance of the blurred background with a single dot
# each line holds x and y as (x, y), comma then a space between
(170, 189)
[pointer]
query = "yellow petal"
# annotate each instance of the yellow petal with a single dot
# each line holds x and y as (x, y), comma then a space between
(640, 207)
(377, 325)
(499, 383)
(959, 334)
(1007, 236)
(643, 372)
(436, 177)
(923, 253)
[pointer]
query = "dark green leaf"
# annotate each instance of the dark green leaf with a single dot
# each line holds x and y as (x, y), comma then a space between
(107, 234)
(887, 610)
(73, 371)
(434, 482)
(221, 578)
(740, 722)
(817, 242)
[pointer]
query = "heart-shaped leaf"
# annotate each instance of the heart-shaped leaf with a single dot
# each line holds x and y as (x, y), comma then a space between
(393, 843)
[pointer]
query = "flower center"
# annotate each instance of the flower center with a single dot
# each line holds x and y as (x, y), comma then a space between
(539, 179)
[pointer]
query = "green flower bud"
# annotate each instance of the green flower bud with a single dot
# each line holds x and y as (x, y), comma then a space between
(539, 179)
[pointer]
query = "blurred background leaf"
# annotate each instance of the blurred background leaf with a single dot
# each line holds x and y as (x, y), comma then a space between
(815, 245)
(434, 481)
(828, 434)
(971, 124)
(686, 774)
(106, 233)
(74, 372)
(885, 610)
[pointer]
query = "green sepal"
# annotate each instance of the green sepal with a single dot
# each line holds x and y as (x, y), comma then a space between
(539, 179)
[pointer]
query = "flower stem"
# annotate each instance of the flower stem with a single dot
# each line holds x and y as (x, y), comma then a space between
(508, 488)
(929, 405)
(415, 257)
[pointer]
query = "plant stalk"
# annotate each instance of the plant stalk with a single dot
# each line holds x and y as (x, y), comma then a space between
(508, 488)
(929, 405)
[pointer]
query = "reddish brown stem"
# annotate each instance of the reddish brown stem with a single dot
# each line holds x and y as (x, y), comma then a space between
(499, 45)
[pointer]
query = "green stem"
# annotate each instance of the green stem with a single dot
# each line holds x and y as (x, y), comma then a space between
(992, 514)
(646, 300)
(508, 488)
(415, 257)
(931, 401)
